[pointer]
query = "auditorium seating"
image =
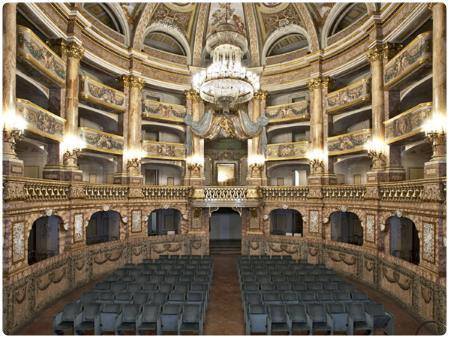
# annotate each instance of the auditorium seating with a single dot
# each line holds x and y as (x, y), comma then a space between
(280, 295)
(166, 295)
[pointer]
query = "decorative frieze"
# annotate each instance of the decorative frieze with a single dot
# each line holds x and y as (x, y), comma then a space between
(78, 228)
(101, 141)
(101, 94)
(163, 111)
(164, 150)
(349, 142)
(370, 228)
(18, 242)
(314, 221)
(41, 121)
(297, 111)
(416, 55)
(351, 96)
(34, 52)
(136, 221)
(428, 242)
(408, 123)
(286, 151)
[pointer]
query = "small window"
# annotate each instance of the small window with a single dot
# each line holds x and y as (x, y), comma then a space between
(103, 227)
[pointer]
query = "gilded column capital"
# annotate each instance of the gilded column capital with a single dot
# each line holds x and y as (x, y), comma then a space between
(133, 81)
(192, 95)
(319, 82)
(390, 49)
(375, 53)
(260, 95)
(73, 50)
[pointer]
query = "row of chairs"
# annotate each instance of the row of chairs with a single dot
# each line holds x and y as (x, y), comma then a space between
(312, 318)
(297, 286)
(178, 300)
(118, 319)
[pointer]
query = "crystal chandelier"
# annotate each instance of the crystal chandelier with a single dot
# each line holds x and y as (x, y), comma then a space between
(226, 82)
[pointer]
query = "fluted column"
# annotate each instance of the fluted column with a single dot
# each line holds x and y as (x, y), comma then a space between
(195, 170)
(11, 164)
(131, 167)
(437, 166)
(256, 173)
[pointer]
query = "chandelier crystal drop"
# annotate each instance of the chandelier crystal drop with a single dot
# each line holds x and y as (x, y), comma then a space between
(226, 82)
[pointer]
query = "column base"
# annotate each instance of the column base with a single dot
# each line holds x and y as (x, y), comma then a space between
(435, 168)
(324, 179)
(53, 173)
(13, 167)
(72, 175)
(376, 176)
(127, 179)
(395, 174)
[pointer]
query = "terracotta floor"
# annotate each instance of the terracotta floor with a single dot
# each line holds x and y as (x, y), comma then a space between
(224, 315)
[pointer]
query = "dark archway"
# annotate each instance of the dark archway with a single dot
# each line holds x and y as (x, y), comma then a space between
(43, 241)
(403, 239)
(286, 221)
(104, 226)
(164, 222)
(346, 228)
(225, 231)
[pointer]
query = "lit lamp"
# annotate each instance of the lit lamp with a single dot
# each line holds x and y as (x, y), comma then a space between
(71, 147)
(317, 158)
(376, 149)
(132, 158)
(256, 163)
(13, 127)
(194, 164)
(435, 129)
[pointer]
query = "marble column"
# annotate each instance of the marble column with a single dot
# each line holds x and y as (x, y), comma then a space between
(195, 172)
(256, 173)
(318, 173)
(74, 54)
(375, 56)
(436, 167)
(131, 169)
(11, 164)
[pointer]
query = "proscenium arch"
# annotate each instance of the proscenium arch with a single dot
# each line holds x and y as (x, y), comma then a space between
(278, 34)
(169, 30)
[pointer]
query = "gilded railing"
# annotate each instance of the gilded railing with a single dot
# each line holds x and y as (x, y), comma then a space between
(41, 121)
(414, 56)
(32, 50)
(350, 96)
(408, 123)
(164, 150)
(225, 193)
(163, 111)
(344, 192)
(286, 151)
(349, 142)
(105, 191)
(284, 193)
(101, 94)
(166, 193)
(23, 188)
(297, 111)
(409, 191)
(101, 141)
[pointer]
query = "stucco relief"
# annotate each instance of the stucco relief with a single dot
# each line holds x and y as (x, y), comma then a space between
(314, 221)
(78, 227)
(18, 242)
(136, 221)
(370, 228)
(428, 242)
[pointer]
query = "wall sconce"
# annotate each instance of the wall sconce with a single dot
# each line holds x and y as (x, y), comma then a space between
(195, 163)
(13, 126)
(256, 164)
(377, 149)
(317, 158)
(132, 158)
(71, 146)
(435, 129)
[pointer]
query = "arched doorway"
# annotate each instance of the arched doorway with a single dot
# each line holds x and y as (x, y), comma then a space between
(225, 232)
(286, 221)
(403, 239)
(164, 222)
(103, 226)
(43, 241)
(346, 228)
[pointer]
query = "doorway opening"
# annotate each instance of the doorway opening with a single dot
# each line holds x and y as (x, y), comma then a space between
(225, 232)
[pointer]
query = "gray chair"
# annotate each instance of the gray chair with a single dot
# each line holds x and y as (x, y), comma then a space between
(339, 315)
(191, 319)
(271, 298)
(126, 321)
(105, 298)
(316, 286)
(252, 298)
(321, 320)
(166, 288)
(330, 286)
(118, 287)
(149, 319)
(289, 298)
(181, 287)
(251, 287)
(358, 319)
(89, 297)
(359, 296)
(284, 286)
(149, 287)
(300, 320)
(102, 286)
(170, 318)
(325, 296)
(267, 287)
(123, 298)
(105, 321)
(85, 319)
(256, 319)
(306, 296)
(134, 287)
(278, 321)
(342, 296)
(140, 298)
(299, 286)
(197, 298)
(159, 298)
(65, 319)
(381, 319)
(177, 297)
